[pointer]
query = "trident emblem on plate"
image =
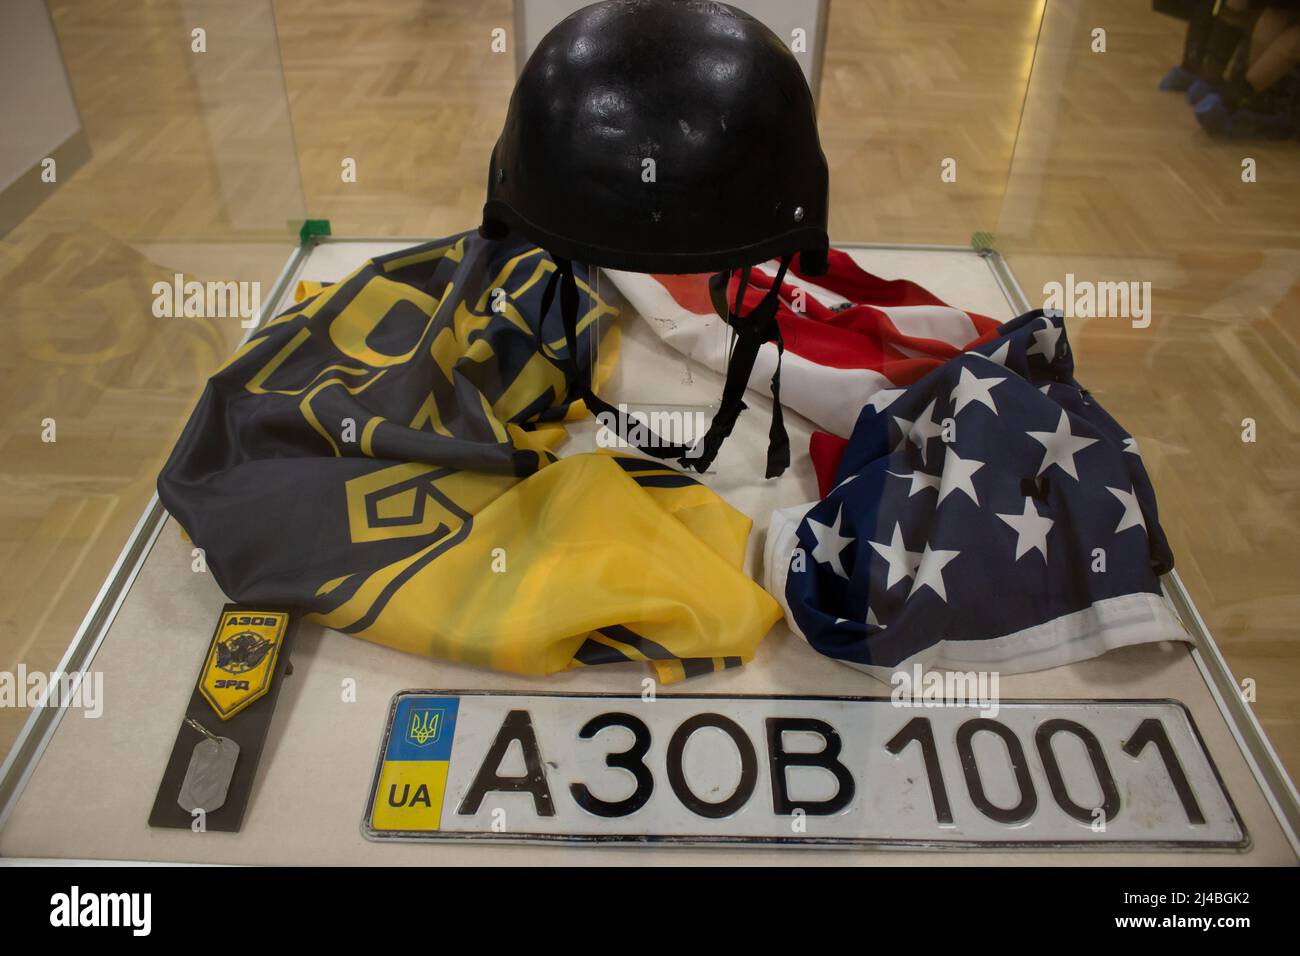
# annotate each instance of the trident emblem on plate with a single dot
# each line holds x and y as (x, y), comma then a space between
(425, 726)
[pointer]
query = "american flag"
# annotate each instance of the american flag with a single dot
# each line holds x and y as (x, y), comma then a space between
(847, 334)
(990, 516)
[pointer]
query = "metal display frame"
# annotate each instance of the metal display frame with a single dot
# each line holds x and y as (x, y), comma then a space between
(1277, 786)
(21, 761)
(39, 729)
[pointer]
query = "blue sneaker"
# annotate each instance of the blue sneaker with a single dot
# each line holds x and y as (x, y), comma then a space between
(1215, 118)
(1177, 80)
(1213, 115)
(1199, 90)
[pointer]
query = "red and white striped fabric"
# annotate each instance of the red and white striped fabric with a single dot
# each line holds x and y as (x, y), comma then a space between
(848, 334)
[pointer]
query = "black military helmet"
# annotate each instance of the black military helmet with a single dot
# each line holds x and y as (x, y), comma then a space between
(666, 136)
(706, 92)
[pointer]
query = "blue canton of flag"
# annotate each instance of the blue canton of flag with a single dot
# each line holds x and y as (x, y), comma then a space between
(991, 516)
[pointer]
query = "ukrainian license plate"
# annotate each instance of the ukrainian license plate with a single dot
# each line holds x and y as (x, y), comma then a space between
(726, 770)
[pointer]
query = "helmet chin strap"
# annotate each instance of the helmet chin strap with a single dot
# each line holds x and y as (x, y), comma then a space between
(752, 332)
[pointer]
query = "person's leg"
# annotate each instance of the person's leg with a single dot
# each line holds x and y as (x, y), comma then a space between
(1268, 27)
(1246, 108)
(1194, 48)
(1226, 33)
(1198, 32)
(1277, 60)
(1199, 24)
(1275, 51)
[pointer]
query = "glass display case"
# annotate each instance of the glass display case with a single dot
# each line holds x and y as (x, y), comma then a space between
(182, 173)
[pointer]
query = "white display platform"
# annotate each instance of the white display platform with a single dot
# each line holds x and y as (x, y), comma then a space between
(82, 788)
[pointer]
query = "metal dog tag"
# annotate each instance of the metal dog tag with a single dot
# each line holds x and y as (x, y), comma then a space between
(212, 764)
